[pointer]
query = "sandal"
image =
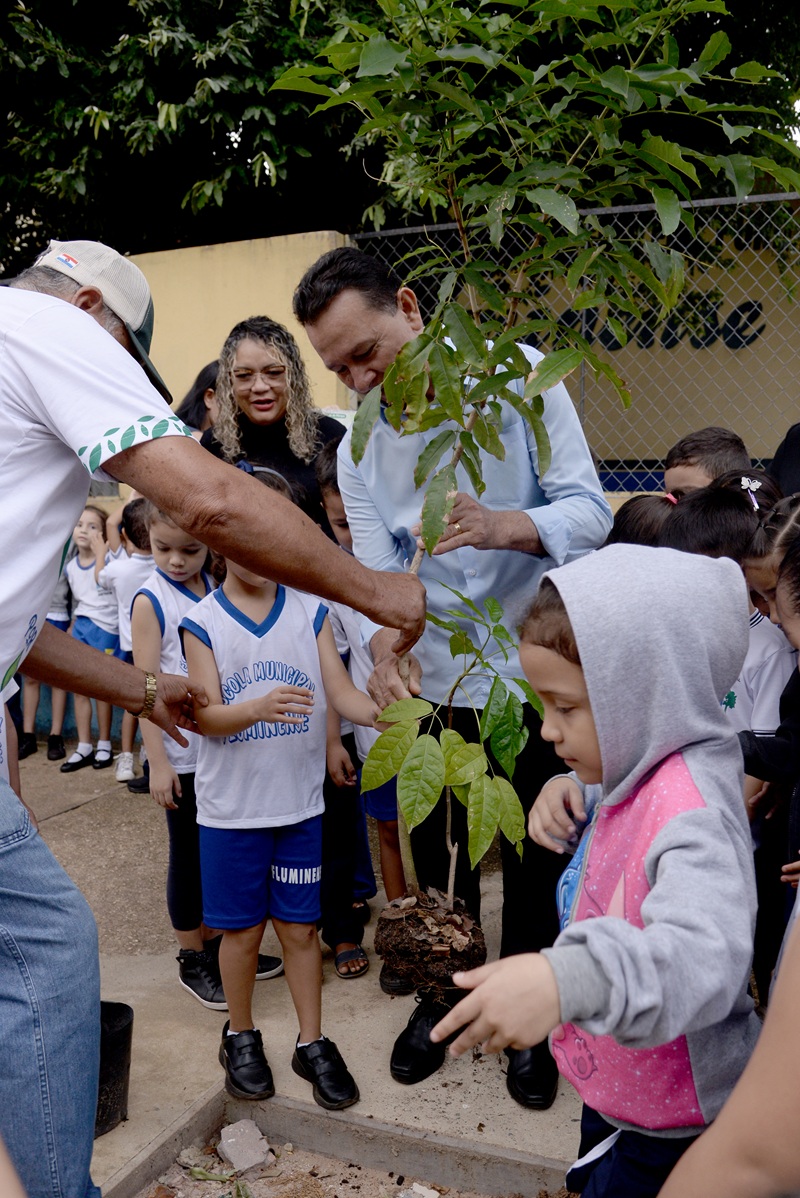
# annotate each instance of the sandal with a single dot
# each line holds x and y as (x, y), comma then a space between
(351, 954)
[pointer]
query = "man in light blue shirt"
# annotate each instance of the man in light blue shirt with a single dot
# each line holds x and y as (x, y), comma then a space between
(358, 316)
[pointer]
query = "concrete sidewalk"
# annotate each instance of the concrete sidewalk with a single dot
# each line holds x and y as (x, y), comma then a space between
(459, 1128)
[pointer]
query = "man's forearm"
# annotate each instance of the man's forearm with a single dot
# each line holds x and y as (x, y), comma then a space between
(60, 660)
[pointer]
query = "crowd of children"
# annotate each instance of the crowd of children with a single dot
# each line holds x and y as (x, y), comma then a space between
(680, 804)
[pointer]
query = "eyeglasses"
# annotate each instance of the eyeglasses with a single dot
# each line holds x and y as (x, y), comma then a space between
(244, 379)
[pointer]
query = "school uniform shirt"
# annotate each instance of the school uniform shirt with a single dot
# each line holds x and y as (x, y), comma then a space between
(71, 398)
(90, 599)
(123, 576)
(753, 702)
(270, 774)
(171, 601)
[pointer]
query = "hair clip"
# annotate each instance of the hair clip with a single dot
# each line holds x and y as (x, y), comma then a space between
(751, 485)
(670, 497)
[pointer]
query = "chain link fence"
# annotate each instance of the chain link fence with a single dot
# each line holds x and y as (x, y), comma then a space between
(724, 356)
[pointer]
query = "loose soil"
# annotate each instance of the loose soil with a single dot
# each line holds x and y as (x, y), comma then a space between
(297, 1173)
(424, 942)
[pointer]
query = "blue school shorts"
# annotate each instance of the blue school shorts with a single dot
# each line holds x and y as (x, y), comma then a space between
(89, 633)
(249, 874)
(61, 625)
(381, 803)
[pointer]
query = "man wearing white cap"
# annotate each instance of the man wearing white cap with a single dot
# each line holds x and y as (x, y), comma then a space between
(75, 406)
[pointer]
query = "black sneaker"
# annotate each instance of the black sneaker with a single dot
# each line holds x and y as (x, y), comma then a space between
(55, 748)
(268, 967)
(247, 1072)
(26, 745)
(322, 1064)
(199, 974)
(140, 786)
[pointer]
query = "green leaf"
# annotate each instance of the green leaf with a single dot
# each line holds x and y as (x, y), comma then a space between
(420, 781)
(465, 336)
(437, 506)
(509, 736)
(461, 644)
(530, 695)
(753, 72)
(406, 709)
(461, 793)
(715, 50)
(380, 57)
(555, 204)
(483, 813)
(616, 80)
(368, 412)
(739, 170)
(734, 132)
(388, 754)
(431, 455)
(463, 762)
(446, 379)
(668, 209)
(511, 817)
(495, 706)
(488, 437)
(670, 153)
(551, 370)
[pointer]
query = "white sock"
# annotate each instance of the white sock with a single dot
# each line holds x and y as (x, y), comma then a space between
(104, 746)
(306, 1043)
(229, 1033)
(83, 750)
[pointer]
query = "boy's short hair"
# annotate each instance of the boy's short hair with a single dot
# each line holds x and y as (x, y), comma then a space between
(548, 625)
(326, 466)
(712, 521)
(639, 520)
(714, 449)
(134, 525)
(152, 514)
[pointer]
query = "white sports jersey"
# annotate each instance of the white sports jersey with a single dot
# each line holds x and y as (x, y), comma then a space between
(123, 576)
(753, 701)
(347, 625)
(89, 598)
(70, 399)
(171, 602)
(271, 774)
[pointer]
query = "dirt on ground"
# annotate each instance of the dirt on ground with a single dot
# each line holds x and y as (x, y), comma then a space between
(294, 1173)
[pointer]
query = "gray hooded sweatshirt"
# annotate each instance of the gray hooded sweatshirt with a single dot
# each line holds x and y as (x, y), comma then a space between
(659, 902)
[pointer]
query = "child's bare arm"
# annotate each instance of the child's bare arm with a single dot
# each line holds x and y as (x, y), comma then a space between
(284, 704)
(113, 521)
(350, 702)
(99, 549)
(146, 640)
(558, 814)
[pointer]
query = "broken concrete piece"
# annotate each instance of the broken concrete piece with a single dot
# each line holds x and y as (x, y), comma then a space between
(243, 1147)
(419, 1191)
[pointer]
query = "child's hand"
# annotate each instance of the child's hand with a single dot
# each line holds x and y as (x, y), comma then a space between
(555, 815)
(285, 705)
(340, 767)
(791, 873)
(165, 785)
(96, 542)
(514, 1002)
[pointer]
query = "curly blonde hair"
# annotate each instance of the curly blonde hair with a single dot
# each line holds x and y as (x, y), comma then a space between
(302, 418)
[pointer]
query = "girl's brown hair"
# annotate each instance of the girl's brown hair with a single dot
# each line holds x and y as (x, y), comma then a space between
(547, 624)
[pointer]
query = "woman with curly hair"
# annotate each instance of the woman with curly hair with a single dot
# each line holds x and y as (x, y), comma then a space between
(265, 414)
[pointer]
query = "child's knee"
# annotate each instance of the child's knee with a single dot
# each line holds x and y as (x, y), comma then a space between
(297, 936)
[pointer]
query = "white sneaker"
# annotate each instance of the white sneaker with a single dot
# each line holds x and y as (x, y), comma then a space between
(124, 771)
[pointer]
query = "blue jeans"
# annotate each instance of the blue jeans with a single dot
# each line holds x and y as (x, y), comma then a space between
(49, 1014)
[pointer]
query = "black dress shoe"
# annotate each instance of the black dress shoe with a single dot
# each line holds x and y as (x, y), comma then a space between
(55, 747)
(322, 1064)
(26, 745)
(532, 1077)
(415, 1056)
(69, 767)
(140, 786)
(392, 983)
(247, 1074)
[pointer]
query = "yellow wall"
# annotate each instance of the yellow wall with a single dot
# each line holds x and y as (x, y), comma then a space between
(201, 293)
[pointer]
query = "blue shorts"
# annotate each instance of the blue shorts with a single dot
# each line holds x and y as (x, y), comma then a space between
(381, 803)
(249, 874)
(61, 625)
(89, 633)
(125, 655)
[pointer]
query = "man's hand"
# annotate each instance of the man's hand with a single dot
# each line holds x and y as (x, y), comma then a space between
(558, 815)
(472, 524)
(174, 709)
(514, 1003)
(399, 604)
(389, 680)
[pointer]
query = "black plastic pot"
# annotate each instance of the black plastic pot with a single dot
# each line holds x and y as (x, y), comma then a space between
(116, 1035)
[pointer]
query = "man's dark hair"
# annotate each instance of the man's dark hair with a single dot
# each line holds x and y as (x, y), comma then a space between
(548, 625)
(639, 520)
(712, 521)
(134, 524)
(714, 449)
(325, 466)
(341, 270)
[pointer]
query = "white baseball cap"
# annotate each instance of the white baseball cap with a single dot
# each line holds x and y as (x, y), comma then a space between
(124, 287)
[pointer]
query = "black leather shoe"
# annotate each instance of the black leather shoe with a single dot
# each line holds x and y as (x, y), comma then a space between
(322, 1064)
(55, 748)
(140, 786)
(26, 745)
(69, 767)
(415, 1056)
(392, 983)
(247, 1074)
(532, 1077)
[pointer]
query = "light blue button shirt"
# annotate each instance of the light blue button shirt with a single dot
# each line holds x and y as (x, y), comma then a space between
(567, 506)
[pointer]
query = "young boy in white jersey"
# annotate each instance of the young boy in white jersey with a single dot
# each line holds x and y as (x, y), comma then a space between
(645, 989)
(268, 661)
(95, 623)
(123, 575)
